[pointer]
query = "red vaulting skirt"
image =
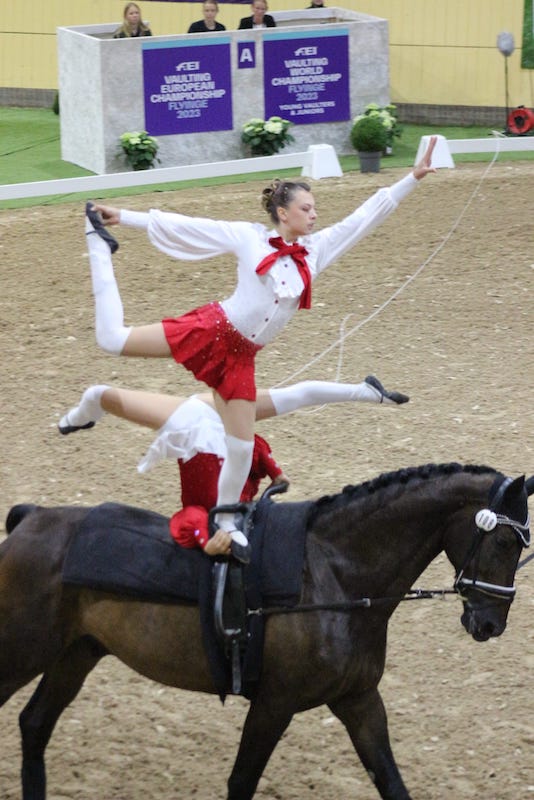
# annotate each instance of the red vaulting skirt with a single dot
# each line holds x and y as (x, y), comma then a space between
(208, 345)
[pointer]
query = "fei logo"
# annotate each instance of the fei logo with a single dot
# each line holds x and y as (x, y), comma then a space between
(246, 55)
(306, 51)
(188, 66)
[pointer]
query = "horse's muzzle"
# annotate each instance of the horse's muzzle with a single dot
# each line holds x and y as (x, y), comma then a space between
(485, 622)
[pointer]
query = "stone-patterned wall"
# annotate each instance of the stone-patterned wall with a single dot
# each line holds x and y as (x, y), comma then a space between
(101, 93)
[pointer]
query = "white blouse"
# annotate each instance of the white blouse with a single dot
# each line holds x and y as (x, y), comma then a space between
(261, 306)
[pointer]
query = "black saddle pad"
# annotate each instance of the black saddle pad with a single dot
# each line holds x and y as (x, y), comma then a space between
(278, 540)
(119, 548)
(129, 550)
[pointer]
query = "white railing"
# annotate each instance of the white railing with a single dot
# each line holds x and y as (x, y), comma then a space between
(496, 143)
(318, 161)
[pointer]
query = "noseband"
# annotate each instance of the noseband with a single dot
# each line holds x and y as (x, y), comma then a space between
(486, 521)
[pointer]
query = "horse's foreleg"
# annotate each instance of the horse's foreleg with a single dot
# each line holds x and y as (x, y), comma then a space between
(261, 733)
(366, 722)
(57, 688)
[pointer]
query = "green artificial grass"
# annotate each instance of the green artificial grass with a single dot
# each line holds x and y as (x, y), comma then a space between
(30, 151)
(30, 147)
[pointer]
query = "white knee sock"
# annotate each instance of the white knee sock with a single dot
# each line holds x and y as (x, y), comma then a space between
(234, 473)
(88, 409)
(316, 393)
(111, 334)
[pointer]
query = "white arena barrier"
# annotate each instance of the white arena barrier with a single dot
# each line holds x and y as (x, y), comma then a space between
(318, 161)
(497, 143)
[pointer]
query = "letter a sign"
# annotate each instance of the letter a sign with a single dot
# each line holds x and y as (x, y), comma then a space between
(246, 55)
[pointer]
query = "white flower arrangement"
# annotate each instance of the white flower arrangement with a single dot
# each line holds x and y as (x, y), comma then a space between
(266, 137)
(140, 149)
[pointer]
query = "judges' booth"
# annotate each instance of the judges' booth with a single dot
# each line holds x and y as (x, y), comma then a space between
(317, 68)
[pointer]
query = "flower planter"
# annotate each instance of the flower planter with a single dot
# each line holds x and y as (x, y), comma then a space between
(369, 162)
(140, 149)
(266, 137)
(375, 130)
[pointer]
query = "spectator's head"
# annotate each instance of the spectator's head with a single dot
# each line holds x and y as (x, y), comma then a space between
(259, 9)
(132, 20)
(132, 15)
(210, 9)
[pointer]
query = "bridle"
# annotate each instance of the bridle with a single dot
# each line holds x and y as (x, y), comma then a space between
(486, 521)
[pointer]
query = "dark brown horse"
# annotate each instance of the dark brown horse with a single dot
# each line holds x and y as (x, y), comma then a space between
(370, 541)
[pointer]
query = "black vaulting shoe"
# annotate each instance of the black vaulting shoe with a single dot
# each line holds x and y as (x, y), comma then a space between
(385, 396)
(65, 428)
(96, 221)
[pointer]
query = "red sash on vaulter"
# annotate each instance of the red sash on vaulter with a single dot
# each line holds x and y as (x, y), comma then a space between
(298, 253)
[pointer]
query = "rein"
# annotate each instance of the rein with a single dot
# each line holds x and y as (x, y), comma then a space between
(350, 605)
(525, 561)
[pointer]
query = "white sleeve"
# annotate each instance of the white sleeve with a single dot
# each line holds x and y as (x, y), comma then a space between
(134, 219)
(194, 238)
(333, 242)
(403, 188)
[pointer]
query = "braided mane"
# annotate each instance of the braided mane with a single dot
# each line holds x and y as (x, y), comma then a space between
(401, 476)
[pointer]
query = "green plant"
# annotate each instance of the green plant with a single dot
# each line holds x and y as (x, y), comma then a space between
(266, 137)
(368, 135)
(140, 149)
(387, 116)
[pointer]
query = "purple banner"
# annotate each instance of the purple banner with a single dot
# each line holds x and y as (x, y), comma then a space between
(187, 86)
(306, 76)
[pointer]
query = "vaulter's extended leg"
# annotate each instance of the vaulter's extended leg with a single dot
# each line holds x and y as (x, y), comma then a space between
(285, 399)
(56, 690)
(366, 722)
(145, 341)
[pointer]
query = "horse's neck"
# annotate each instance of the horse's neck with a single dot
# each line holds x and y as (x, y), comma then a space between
(383, 558)
(380, 544)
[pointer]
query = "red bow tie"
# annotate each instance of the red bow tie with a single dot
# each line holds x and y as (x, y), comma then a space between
(298, 253)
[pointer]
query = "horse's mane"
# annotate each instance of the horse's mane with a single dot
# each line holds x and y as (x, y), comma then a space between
(388, 479)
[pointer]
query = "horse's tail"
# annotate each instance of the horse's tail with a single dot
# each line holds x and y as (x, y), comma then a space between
(17, 513)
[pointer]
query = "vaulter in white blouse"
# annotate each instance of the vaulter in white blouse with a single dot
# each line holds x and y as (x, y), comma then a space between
(275, 270)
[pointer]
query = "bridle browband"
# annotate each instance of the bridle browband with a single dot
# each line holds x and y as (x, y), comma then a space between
(486, 521)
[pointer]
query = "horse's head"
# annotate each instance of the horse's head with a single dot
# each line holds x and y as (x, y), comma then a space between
(485, 569)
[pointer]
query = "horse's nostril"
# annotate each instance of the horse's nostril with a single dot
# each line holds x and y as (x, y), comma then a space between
(493, 629)
(480, 630)
(488, 630)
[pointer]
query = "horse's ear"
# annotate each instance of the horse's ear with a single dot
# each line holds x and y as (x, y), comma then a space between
(516, 488)
(529, 485)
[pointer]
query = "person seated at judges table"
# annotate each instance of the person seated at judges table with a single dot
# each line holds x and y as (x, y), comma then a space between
(210, 9)
(258, 19)
(132, 23)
